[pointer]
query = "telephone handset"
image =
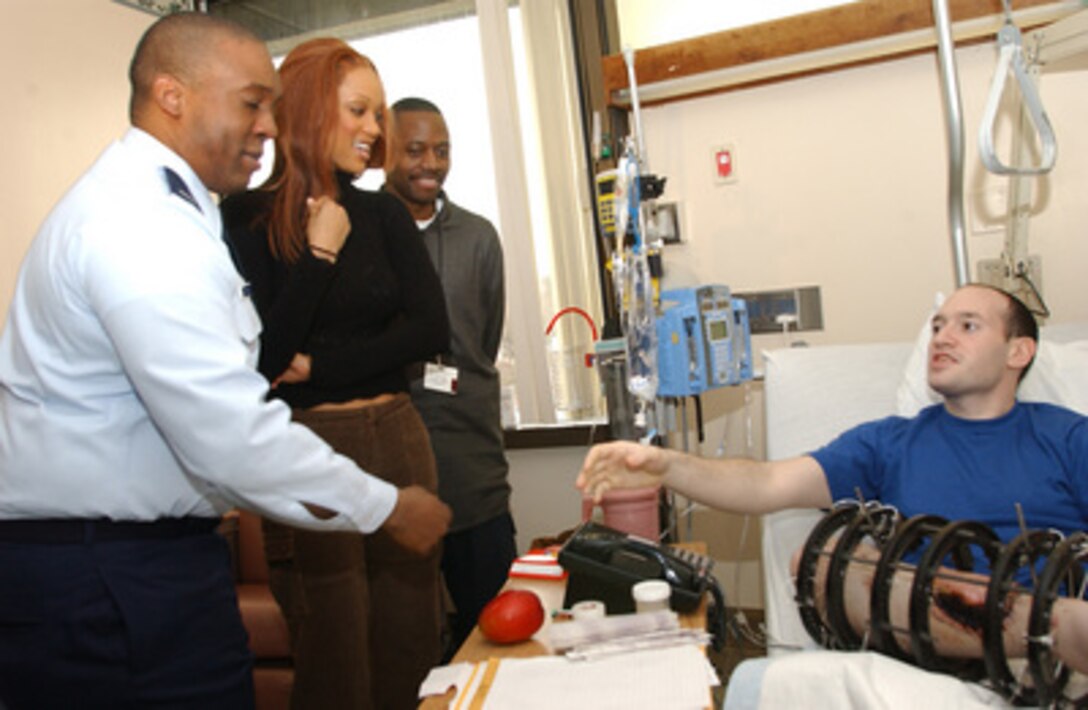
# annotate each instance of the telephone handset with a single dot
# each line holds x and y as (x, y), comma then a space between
(604, 563)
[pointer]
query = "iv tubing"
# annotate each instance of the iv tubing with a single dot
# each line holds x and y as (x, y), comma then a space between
(585, 316)
(572, 309)
(629, 57)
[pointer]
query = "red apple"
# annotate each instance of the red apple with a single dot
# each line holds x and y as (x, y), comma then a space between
(512, 616)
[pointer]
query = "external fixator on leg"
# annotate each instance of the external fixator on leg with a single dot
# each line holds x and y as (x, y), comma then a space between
(875, 522)
(960, 537)
(1062, 577)
(1039, 564)
(1027, 552)
(910, 536)
(838, 518)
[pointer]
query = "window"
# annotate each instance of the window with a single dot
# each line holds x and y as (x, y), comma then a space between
(487, 74)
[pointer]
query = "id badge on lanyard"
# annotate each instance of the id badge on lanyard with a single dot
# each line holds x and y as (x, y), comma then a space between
(438, 377)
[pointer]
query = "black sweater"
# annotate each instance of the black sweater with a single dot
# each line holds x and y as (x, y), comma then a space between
(363, 319)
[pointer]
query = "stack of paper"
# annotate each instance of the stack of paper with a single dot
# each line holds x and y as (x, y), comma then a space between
(676, 678)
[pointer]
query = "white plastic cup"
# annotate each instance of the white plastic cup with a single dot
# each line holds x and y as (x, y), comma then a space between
(651, 595)
(588, 609)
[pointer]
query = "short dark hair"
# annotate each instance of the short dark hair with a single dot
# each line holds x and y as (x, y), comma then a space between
(414, 103)
(1019, 320)
(177, 44)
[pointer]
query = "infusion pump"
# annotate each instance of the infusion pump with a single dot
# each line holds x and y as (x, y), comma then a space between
(703, 341)
(607, 204)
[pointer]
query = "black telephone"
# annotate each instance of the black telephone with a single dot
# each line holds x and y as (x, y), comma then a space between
(604, 563)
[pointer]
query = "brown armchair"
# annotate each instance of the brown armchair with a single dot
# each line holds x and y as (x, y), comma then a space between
(268, 638)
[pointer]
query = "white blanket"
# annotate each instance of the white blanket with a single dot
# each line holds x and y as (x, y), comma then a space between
(865, 680)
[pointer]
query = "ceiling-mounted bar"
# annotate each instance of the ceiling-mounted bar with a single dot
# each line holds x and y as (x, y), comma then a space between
(954, 121)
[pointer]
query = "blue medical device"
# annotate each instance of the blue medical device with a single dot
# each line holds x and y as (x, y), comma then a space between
(743, 334)
(703, 341)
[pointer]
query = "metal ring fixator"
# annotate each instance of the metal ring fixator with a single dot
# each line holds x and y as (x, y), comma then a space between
(1011, 55)
(908, 538)
(1025, 551)
(1063, 576)
(839, 517)
(959, 536)
(873, 520)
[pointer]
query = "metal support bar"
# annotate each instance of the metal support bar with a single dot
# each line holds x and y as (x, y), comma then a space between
(954, 115)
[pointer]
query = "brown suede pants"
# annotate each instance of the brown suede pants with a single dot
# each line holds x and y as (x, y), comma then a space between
(365, 616)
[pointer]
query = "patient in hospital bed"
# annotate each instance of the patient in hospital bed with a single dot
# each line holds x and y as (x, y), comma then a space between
(978, 455)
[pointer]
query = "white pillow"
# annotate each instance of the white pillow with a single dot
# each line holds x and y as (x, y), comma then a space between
(914, 393)
(1059, 374)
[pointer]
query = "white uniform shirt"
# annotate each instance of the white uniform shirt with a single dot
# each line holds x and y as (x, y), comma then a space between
(127, 380)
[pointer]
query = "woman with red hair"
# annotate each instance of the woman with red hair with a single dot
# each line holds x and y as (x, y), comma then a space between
(348, 298)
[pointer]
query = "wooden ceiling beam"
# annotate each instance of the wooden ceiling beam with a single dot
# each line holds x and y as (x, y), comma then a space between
(867, 21)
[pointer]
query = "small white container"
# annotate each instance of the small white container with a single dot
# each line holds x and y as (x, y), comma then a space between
(588, 609)
(651, 595)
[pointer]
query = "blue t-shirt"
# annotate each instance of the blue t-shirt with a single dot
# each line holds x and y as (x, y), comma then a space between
(1036, 455)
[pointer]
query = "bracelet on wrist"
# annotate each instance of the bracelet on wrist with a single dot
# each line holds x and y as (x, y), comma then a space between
(328, 254)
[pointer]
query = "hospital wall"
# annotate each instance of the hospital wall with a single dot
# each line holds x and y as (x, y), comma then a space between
(840, 183)
(58, 114)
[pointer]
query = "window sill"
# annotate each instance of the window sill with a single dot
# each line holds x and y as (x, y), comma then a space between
(553, 436)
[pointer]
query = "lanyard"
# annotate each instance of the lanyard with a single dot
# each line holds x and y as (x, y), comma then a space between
(436, 220)
(440, 259)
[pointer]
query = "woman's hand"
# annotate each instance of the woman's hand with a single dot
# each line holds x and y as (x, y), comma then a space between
(297, 371)
(621, 464)
(327, 227)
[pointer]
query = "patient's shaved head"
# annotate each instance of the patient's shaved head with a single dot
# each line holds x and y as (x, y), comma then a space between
(181, 45)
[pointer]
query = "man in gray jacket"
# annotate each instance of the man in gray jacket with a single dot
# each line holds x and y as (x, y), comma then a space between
(458, 395)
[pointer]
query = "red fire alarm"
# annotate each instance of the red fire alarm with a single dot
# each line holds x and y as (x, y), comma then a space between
(723, 161)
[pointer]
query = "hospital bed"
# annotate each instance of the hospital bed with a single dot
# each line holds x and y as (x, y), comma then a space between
(815, 393)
